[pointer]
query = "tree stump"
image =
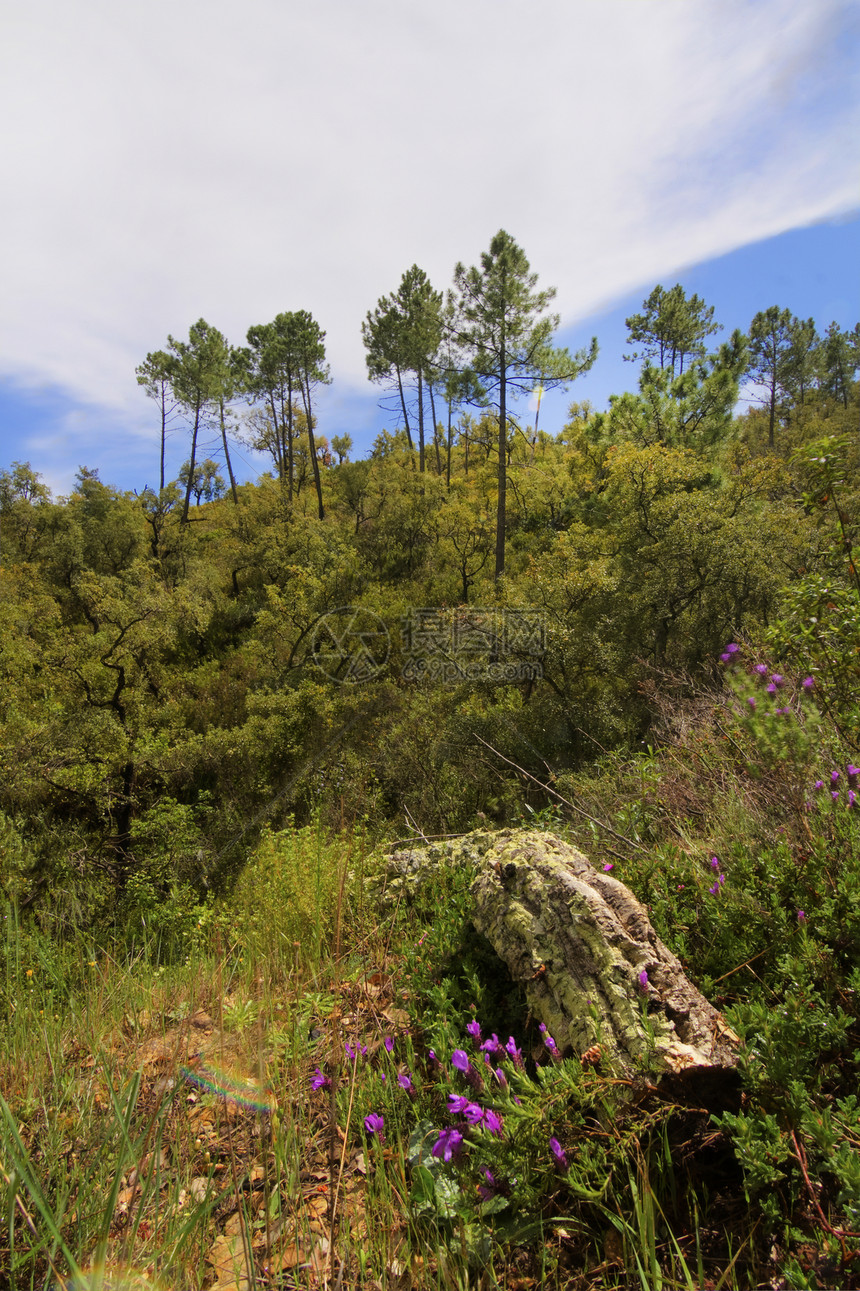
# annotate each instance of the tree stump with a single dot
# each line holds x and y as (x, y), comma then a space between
(593, 968)
(595, 971)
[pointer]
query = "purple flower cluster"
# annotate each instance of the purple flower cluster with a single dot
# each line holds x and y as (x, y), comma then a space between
(851, 775)
(474, 1114)
(471, 1115)
(720, 878)
(773, 682)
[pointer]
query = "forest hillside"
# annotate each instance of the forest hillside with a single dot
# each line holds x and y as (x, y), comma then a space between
(222, 701)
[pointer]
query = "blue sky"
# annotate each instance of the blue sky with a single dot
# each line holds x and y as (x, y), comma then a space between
(284, 157)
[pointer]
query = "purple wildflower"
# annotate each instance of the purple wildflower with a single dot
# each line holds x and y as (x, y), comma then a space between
(460, 1060)
(724, 658)
(643, 980)
(489, 1188)
(751, 700)
(834, 777)
(434, 1061)
(492, 1121)
(319, 1081)
(808, 683)
(352, 1054)
(777, 678)
(834, 794)
(732, 648)
(549, 1042)
(852, 772)
(852, 797)
(513, 1052)
(609, 866)
(493, 1045)
(459, 1106)
(558, 1152)
(404, 1081)
(474, 1030)
(771, 690)
(501, 1078)
(447, 1145)
(375, 1124)
(715, 862)
(761, 669)
(801, 916)
(389, 1043)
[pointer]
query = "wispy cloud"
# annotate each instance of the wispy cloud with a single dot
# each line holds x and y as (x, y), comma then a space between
(172, 160)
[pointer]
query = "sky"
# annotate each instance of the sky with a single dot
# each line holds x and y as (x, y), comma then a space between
(177, 159)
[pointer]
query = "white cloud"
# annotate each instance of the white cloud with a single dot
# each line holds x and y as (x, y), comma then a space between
(172, 160)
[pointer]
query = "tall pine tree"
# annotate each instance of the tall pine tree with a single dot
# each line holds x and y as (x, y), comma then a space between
(501, 323)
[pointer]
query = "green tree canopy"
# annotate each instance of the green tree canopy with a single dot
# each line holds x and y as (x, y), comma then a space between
(672, 328)
(770, 360)
(402, 337)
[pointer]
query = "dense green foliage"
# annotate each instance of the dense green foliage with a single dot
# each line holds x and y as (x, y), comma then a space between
(191, 677)
(171, 687)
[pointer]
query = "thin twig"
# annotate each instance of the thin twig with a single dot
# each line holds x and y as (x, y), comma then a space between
(427, 838)
(414, 824)
(745, 964)
(839, 1233)
(579, 810)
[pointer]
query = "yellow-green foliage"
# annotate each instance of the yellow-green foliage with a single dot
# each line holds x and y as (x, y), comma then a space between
(286, 901)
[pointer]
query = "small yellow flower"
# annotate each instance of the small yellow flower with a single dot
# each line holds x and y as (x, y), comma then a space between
(29, 972)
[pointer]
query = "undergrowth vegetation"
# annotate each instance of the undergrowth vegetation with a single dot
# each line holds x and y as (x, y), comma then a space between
(291, 1091)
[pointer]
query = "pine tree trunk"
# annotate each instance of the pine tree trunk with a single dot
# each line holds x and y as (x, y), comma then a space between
(503, 461)
(227, 456)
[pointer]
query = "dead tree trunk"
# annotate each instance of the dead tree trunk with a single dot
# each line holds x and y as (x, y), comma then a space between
(593, 968)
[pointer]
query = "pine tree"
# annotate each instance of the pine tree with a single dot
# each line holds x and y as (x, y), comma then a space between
(502, 325)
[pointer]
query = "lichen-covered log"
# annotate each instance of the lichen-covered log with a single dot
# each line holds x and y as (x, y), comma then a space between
(594, 970)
